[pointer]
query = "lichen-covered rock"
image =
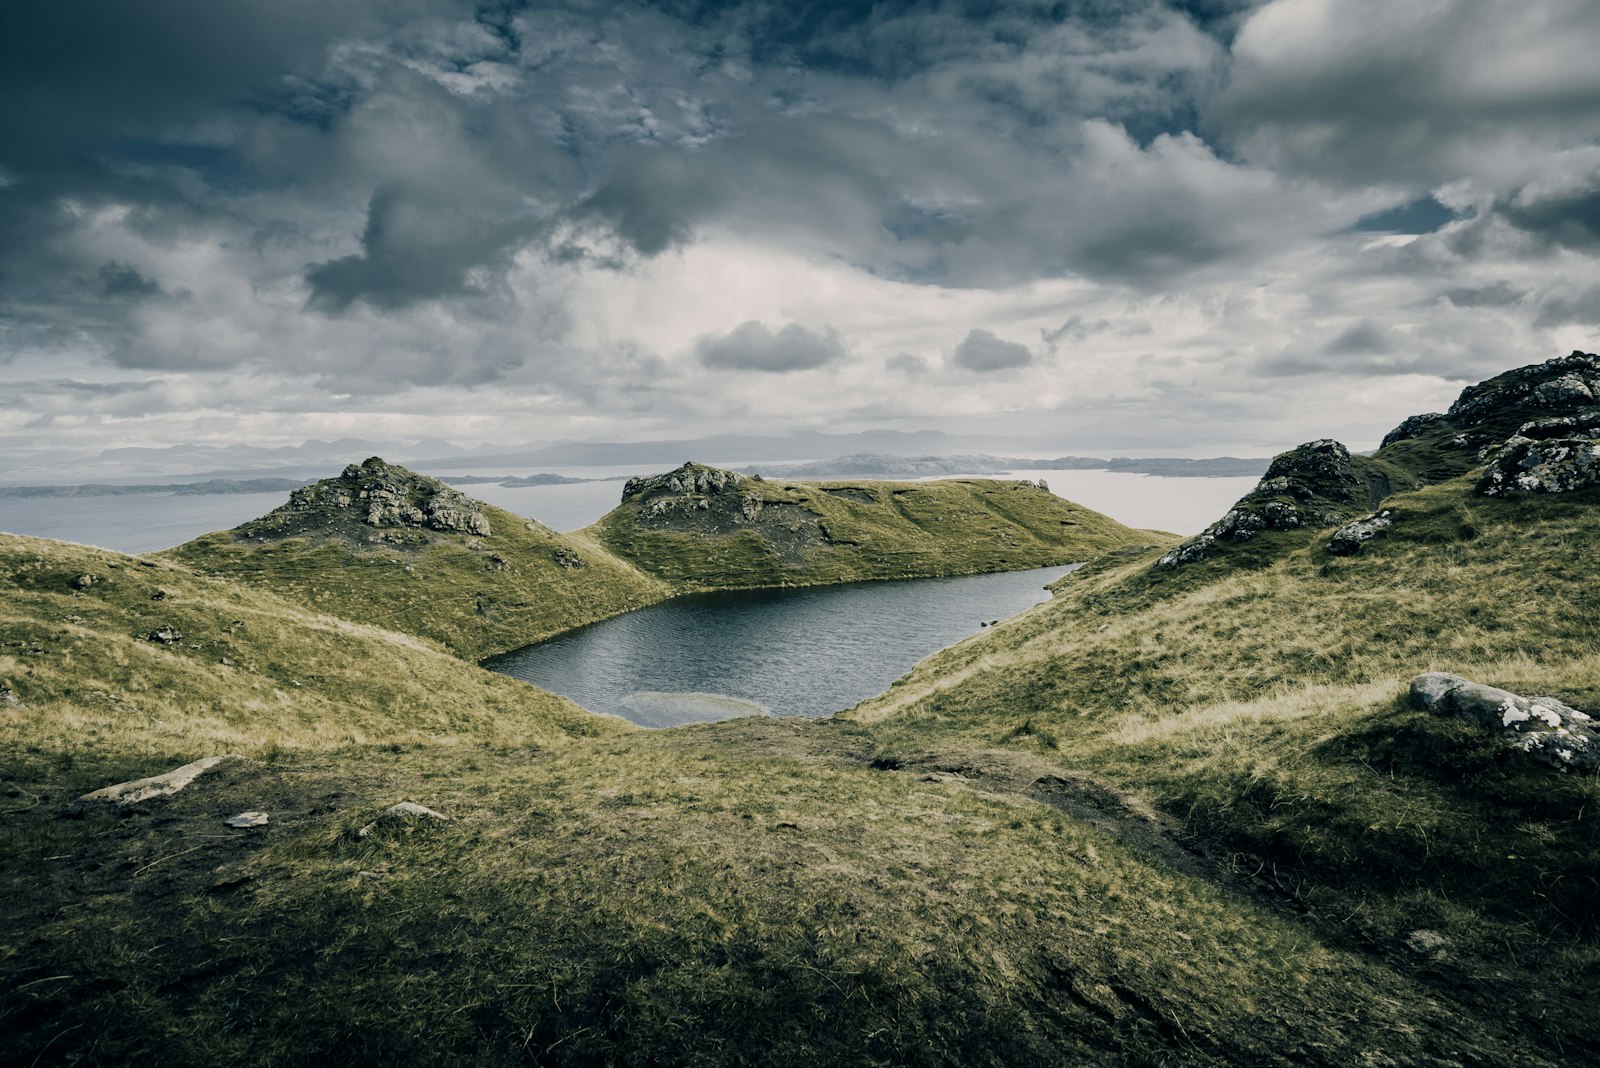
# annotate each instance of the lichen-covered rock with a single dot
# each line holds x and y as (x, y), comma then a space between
(1555, 455)
(401, 506)
(1545, 728)
(1539, 389)
(1349, 538)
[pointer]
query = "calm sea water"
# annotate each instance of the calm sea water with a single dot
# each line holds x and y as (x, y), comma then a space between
(808, 652)
(144, 523)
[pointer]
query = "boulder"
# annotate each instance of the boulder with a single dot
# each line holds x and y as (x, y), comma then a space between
(689, 480)
(128, 793)
(1555, 455)
(1545, 728)
(1349, 538)
(164, 636)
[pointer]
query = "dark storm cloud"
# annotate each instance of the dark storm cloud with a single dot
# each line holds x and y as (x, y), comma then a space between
(750, 346)
(1500, 294)
(984, 353)
(1375, 91)
(121, 281)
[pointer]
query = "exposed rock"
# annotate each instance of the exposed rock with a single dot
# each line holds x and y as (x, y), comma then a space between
(568, 559)
(247, 819)
(1315, 483)
(83, 582)
(164, 636)
(128, 793)
(1349, 538)
(158, 595)
(402, 506)
(691, 478)
(9, 698)
(1545, 728)
(1428, 944)
(1555, 455)
(1530, 392)
(405, 810)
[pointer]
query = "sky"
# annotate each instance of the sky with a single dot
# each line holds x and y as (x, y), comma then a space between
(1124, 225)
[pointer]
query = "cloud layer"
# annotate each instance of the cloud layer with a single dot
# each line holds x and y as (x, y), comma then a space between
(1220, 221)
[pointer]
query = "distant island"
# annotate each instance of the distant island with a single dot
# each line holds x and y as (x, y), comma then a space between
(867, 464)
(181, 489)
(216, 486)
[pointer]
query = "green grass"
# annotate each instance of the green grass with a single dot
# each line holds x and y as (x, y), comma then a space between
(1173, 816)
(251, 673)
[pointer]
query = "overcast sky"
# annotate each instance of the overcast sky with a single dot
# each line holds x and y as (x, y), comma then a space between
(1121, 225)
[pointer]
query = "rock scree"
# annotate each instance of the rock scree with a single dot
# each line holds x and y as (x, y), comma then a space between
(1548, 730)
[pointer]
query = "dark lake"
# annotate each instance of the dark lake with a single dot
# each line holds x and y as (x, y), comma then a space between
(806, 652)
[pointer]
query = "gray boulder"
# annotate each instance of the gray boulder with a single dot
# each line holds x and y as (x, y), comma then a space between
(1546, 729)
(1349, 539)
(1547, 456)
(399, 813)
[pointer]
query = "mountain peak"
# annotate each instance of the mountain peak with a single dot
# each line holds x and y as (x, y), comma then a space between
(374, 501)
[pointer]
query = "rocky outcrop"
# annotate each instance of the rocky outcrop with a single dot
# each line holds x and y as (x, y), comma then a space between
(1487, 414)
(697, 499)
(1349, 539)
(1315, 484)
(1546, 729)
(129, 793)
(690, 479)
(391, 503)
(1556, 455)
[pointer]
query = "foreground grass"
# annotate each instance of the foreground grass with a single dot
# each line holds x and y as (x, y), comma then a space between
(1259, 698)
(745, 892)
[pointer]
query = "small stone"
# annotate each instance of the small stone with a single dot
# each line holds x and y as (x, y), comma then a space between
(405, 810)
(158, 595)
(369, 875)
(9, 698)
(164, 636)
(1427, 943)
(83, 582)
(247, 819)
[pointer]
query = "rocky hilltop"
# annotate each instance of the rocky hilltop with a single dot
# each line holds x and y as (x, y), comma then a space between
(374, 501)
(1535, 429)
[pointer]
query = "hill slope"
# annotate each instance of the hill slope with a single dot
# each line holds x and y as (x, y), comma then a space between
(116, 656)
(702, 528)
(385, 546)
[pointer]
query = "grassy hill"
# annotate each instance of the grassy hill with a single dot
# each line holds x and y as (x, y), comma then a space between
(479, 580)
(1182, 814)
(702, 528)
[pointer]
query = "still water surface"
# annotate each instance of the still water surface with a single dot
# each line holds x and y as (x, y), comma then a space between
(806, 652)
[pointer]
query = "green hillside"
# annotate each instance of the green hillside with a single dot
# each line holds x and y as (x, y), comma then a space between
(702, 528)
(470, 576)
